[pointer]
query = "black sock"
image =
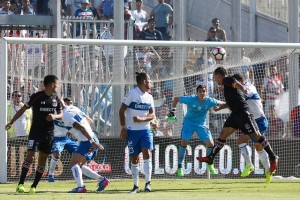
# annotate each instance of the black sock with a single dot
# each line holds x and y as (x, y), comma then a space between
(219, 144)
(38, 175)
(267, 147)
(25, 168)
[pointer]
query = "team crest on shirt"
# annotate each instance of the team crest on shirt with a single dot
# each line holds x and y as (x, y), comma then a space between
(54, 102)
(199, 107)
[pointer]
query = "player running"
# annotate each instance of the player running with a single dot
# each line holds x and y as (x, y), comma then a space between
(195, 121)
(240, 118)
(138, 107)
(44, 104)
(87, 149)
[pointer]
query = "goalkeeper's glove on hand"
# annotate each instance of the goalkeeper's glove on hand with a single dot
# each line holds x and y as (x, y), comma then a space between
(171, 115)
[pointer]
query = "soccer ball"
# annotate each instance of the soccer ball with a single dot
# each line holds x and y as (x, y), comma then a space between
(219, 53)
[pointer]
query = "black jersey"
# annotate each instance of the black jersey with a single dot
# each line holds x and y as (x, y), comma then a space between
(42, 105)
(233, 96)
(148, 35)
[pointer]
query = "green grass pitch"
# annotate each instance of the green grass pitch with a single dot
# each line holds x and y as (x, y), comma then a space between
(164, 189)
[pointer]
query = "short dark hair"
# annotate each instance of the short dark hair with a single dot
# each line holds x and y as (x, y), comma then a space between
(238, 77)
(215, 19)
(140, 76)
(67, 99)
(151, 20)
(220, 70)
(139, 1)
(212, 28)
(49, 79)
(200, 87)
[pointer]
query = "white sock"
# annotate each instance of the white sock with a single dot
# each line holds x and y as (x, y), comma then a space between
(246, 154)
(135, 174)
(90, 173)
(52, 166)
(77, 174)
(264, 159)
(147, 170)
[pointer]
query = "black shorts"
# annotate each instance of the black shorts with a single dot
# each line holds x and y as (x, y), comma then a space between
(243, 121)
(40, 142)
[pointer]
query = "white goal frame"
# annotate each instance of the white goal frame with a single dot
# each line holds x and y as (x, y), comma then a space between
(293, 69)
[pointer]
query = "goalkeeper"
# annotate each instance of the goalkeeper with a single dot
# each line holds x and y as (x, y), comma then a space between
(194, 121)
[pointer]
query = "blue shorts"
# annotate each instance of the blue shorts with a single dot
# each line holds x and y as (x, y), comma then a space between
(67, 143)
(85, 148)
(138, 140)
(263, 126)
(203, 132)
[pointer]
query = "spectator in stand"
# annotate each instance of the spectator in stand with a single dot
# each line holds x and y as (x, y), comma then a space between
(245, 70)
(151, 33)
(22, 125)
(163, 15)
(139, 15)
(276, 125)
(5, 10)
(127, 4)
(212, 35)
(221, 34)
(295, 121)
(72, 6)
(95, 6)
(26, 9)
(107, 10)
(272, 88)
(42, 7)
(86, 13)
(145, 58)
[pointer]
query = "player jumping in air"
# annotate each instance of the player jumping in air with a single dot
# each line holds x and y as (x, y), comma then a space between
(44, 104)
(256, 108)
(195, 121)
(87, 149)
(138, 110)
(240, 118)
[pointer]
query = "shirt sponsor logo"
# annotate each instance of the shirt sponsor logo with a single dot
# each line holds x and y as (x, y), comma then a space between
(54, 102)
(47, 109)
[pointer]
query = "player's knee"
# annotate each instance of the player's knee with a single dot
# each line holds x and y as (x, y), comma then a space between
(258, 147)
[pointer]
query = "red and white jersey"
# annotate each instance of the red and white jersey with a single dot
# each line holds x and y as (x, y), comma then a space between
(139, 104)
(72, 114)
(273, 87)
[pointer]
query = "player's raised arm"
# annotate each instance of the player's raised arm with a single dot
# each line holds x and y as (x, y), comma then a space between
(16, 116)
(239, 86)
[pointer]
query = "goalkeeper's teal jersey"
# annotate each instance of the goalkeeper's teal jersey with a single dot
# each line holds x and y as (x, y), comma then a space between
(196, 110)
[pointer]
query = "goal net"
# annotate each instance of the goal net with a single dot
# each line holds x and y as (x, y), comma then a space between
(96, 74)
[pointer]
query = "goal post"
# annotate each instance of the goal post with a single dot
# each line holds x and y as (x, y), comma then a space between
(97, 74)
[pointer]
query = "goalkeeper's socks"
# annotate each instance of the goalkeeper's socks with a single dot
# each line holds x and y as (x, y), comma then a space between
(38, 175)
(52, 166)
(267, 147)
(245, 153)
(219, 144)
(25, 168)
(181, 155)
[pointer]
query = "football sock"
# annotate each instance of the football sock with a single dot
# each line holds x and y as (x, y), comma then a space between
(208, 150)
(77, 174)
(38, 175)
(148, 170)
(219, 144)
(266, 145)
(264, 159)
(246, 154)
(181, 156)
(52, 166)
(90, 173)
(25, 169)
(135, 174)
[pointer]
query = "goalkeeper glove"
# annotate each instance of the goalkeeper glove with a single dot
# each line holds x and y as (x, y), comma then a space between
(171, 115)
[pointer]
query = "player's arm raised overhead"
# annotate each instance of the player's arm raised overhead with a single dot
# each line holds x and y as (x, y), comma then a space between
(239, 86)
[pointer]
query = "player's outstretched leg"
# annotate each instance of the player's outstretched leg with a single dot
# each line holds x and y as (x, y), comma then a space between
(216, 149)
(103, 181)
(181, 157)
(267, 147)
